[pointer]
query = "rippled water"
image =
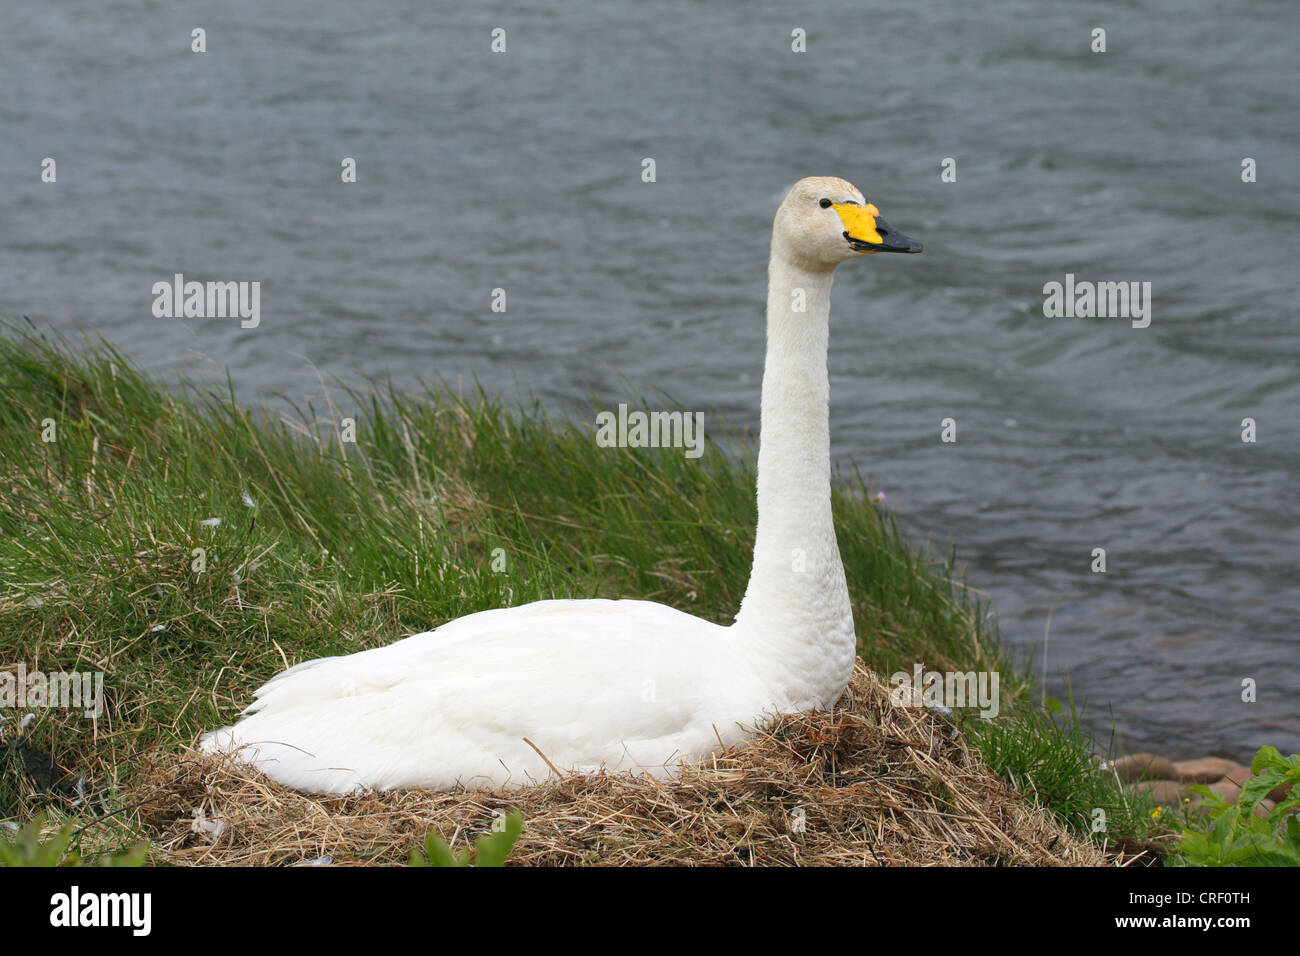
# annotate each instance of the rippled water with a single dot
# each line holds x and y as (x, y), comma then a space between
(522, 171)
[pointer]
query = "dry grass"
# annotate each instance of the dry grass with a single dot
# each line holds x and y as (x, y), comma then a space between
(874, 784)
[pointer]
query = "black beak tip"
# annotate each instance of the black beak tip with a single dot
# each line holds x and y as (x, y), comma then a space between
(894, 241)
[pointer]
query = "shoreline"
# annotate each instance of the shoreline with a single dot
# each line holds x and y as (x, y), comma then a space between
(198, 547)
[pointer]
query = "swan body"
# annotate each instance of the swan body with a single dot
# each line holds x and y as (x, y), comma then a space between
(506, 697)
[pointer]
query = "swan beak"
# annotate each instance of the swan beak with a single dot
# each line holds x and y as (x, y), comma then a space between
(867, 232)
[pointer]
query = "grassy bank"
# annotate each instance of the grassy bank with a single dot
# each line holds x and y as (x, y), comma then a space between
(328, 547)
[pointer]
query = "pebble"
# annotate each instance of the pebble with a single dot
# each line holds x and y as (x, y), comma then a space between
(1227, 789)
(1167, 782)
(1137, 767)
(1169, 793)
(1204, 770)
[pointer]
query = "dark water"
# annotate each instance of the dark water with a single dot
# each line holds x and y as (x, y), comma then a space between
(522, 171)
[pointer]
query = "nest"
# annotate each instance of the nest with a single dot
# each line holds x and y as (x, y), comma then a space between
(866, 783)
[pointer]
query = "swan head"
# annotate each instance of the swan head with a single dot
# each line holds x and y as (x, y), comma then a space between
(824, 220)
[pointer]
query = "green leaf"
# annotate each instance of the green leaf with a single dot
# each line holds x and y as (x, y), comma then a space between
(1205, 792)
(1197, 850)
(436, 853)
(1265, 856)
(1257, 788)
(1268, 757)
(490, 850)
(1224, 825)
(493, 848)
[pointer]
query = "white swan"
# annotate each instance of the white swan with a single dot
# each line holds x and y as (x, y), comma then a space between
(623, 685)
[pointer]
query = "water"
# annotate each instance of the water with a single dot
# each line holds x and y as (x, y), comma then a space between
(522, 171)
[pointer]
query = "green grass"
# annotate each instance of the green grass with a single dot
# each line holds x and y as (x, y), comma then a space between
(350, 546)
(31, 845)
(1048, 755)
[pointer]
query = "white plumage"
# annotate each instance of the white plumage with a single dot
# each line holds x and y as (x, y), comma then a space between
(588, 682)
(618, 685)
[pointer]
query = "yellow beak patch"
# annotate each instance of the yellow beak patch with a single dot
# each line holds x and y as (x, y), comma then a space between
(859, 221)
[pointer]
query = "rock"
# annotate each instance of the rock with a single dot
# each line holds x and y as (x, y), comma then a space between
(1226, 789)
(1279, 793)
(1169, 793)
(1136, 767)
(1237, 774)
(1204, 769)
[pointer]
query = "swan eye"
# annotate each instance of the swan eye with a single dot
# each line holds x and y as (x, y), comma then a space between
(825, 204)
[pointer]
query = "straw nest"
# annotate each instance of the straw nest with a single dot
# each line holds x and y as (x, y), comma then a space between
(866, 783)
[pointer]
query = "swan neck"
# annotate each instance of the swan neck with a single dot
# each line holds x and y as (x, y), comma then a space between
(796, 616)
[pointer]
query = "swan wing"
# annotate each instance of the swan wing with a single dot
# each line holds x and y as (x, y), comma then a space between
(614, 684)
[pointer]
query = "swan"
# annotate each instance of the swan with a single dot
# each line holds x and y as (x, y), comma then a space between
(507, 697)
